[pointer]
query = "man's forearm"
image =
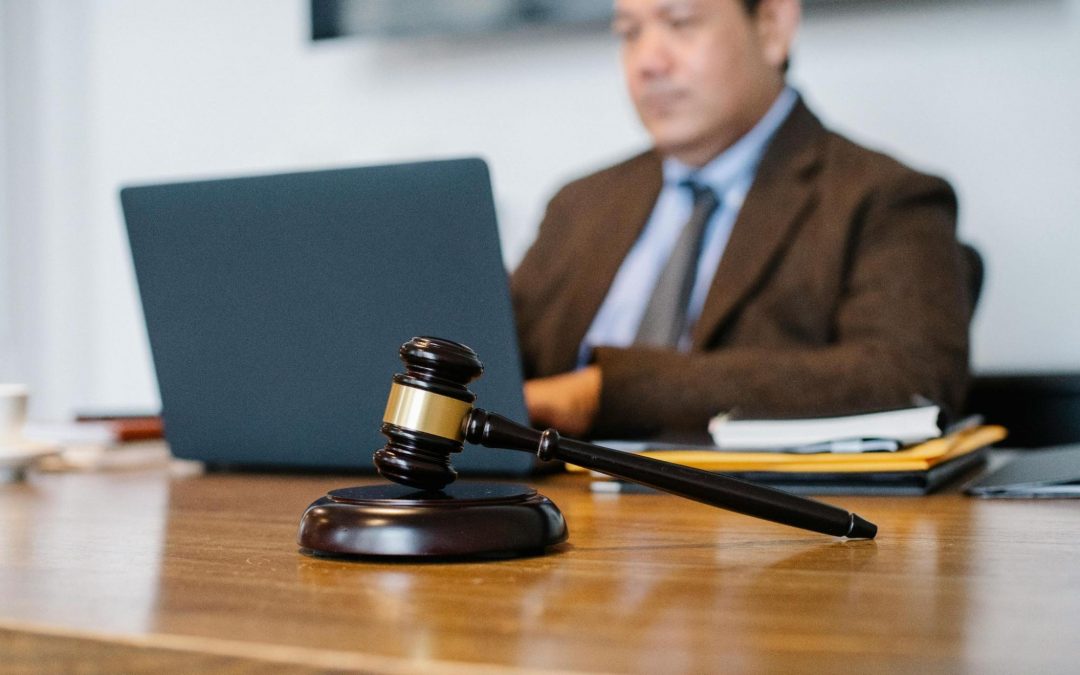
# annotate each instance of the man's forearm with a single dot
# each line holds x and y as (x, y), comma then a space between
(648, 390)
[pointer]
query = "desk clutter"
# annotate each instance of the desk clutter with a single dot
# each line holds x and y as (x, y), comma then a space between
(892, 452)
(101, 443)
(17, 451)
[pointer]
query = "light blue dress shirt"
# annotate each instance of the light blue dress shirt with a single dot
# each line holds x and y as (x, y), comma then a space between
(730, 175)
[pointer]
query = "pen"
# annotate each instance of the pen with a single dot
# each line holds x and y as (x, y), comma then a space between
(963, 424)
(847, 446)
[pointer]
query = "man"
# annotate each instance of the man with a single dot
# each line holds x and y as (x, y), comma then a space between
(824, 278)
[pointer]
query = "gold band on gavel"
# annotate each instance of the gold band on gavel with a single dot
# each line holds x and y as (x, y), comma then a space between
(419, 410)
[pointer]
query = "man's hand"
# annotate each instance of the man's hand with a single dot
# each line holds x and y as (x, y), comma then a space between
(567, 402)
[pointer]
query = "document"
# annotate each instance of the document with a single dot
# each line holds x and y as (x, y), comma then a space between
(887, 430)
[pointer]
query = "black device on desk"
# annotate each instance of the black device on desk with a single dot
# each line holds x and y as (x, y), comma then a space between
(269, 301)
(1045, 473)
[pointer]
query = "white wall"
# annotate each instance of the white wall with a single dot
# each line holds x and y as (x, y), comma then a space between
(6, 341)
(988, 94)
(48, 265)
(112, 92)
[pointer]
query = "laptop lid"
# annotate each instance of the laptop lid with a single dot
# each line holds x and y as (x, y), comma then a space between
(275, 306)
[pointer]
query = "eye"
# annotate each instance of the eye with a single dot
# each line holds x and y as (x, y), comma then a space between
(682, 21)
(625, 31)
(682, 15)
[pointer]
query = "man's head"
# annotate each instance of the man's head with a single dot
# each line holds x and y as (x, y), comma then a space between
(701, 73)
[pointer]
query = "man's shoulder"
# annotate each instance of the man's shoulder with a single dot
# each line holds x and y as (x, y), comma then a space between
(850, 160)
(638, 172)
(804, 143)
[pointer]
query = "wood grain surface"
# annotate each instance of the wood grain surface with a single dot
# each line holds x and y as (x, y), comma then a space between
(142, 571)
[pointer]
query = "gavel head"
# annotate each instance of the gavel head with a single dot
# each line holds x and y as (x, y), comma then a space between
(425, 416)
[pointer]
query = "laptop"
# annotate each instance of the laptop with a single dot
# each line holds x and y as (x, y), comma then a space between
(275, 306)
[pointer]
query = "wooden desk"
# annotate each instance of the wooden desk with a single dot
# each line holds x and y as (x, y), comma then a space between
(140, 571)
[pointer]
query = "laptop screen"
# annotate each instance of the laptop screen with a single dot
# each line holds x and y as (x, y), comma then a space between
(275, 306)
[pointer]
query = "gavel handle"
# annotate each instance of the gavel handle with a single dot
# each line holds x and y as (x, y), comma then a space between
(495, 431)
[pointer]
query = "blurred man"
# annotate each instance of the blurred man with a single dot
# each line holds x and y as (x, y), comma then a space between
(751, 260)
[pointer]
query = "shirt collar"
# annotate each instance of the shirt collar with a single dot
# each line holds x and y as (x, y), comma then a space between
(742, 157)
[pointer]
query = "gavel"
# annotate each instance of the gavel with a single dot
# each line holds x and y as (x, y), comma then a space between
(430, 414)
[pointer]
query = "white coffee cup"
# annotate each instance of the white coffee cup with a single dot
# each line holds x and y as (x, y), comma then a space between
(13, 400)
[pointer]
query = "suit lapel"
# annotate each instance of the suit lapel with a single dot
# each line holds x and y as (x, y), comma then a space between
(781, 193)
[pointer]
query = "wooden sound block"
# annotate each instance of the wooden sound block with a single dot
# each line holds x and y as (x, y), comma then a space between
(461, 520)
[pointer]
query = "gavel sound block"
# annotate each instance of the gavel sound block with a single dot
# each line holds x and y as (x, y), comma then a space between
(424, 513)
(428, 416)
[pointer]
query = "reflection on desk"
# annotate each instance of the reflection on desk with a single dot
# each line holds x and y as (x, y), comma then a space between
(138, 569)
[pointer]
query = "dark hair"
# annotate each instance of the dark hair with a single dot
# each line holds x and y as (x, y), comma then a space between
(751, 9)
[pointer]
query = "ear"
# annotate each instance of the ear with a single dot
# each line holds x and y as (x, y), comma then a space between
(777, 23)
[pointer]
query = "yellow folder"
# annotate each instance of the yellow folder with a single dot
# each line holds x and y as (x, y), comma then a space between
(920, 457)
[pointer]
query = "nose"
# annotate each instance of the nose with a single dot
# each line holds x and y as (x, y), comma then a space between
(650, 56)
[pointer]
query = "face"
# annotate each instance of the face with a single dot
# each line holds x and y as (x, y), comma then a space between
(701, 73)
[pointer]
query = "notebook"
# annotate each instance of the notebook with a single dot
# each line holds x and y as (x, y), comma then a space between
(890, 429)
(275, 306)
(917, 469)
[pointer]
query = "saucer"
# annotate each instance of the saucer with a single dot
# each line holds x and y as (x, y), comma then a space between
(16, 455)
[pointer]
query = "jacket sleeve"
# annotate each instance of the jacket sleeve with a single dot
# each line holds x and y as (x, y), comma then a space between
(533, 280)
(900, 329)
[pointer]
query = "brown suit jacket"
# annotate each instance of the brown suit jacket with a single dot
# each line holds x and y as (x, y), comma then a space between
(842, 288)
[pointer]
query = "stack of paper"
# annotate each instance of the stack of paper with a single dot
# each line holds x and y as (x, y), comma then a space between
(915, 458)
(887, 430)
(914, 469)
